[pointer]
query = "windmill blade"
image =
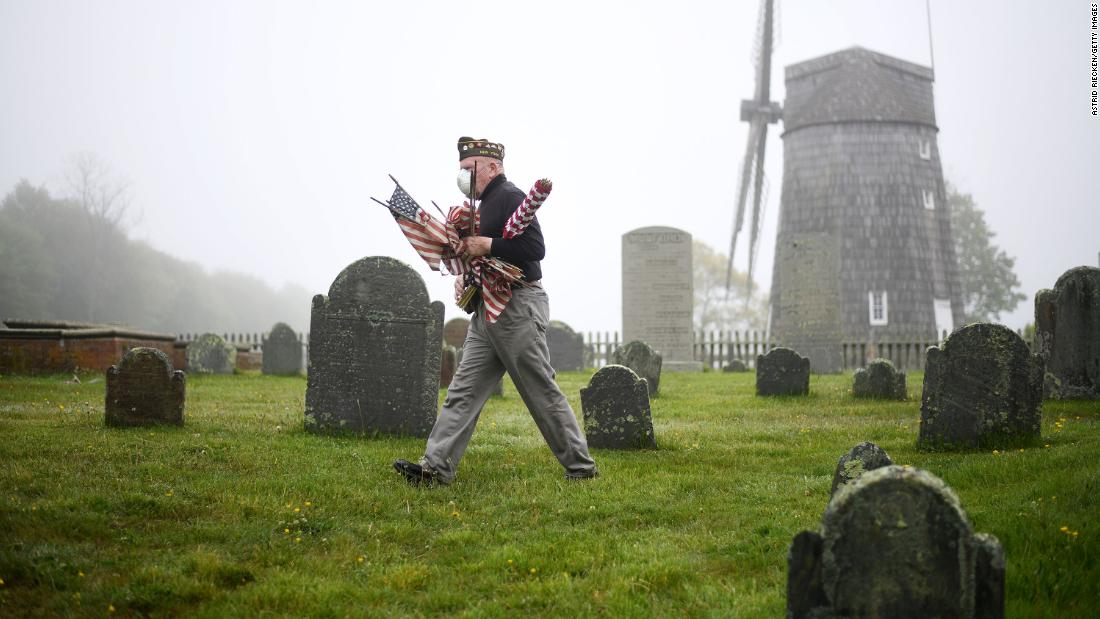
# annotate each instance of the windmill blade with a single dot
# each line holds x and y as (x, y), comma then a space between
(742, 195)
(757, 194)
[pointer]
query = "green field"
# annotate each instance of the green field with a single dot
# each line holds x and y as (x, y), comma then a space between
(242, 513)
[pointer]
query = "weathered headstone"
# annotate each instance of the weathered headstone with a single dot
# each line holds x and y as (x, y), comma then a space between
(1067, 334)
(448, 365)
(982, 389)
(862, 458)
(282, 351)
(879, 380)
(454, 332)
(658, 294)
(645, 362)
(736, 365)
(895, 543)
(374, 353)
(210, 354)
(143, 389)
(616, 410)
(782, 372)
(566, 347)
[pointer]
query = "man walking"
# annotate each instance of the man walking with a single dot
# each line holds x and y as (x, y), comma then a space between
(515, 343)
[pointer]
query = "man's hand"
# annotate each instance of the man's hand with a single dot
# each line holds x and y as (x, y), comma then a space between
(476, 246)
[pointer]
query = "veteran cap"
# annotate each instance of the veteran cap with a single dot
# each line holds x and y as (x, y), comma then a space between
(473, 147)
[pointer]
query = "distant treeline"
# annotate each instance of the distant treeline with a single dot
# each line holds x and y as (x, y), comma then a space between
(62, 261)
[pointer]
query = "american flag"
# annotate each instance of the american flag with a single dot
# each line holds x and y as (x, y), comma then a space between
(428, 236)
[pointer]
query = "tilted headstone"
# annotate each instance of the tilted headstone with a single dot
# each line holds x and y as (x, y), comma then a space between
(658, 294)
(1067, 334)
(210, 354)
(645, 362)
(616, 410)
(143, 390)
(448, 365)
(282, 351)
(879, 380)
(782, 372)
(895, 543)
(736, 365)
(566, 347)
(374, 352)
(862, 458)
(982, 389)
(454, 332)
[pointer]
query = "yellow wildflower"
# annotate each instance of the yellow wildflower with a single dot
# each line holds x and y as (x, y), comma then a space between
(309, 504)
(80, 573)
(297, 539)
(110, 608)
(509, 561)
(2, 580)
(287, 531)
(1064, 529)
(534, 569)
(297, 509)
(361, 559)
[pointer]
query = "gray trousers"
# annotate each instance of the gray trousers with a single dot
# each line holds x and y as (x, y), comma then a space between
(516, 343)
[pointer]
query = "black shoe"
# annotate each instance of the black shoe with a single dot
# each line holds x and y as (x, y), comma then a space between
(588, 475)
(414, 473)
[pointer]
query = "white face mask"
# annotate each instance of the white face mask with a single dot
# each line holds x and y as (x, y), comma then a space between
(464, 183)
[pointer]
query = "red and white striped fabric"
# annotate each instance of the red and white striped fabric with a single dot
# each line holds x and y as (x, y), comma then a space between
(428, 237)
(523, 216)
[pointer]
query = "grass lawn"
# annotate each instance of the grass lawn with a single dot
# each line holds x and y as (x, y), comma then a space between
(242, 513)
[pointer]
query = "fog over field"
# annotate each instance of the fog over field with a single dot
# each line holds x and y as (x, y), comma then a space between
(253, 133)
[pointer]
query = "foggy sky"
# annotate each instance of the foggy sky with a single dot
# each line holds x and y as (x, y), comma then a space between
(254, 132)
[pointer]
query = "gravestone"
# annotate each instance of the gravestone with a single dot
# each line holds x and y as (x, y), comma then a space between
(782, 372)
(454, 332)
(879, 380)
(282, 351)
(616, 410)
(645, 362)
(1067, 334)
(862, 458)
(143, 390)
(374, 352)
(566, 347)
(210, 354)
(658, 294)
(982, 389)
(448, 365)
(736, 365)
(895, 543)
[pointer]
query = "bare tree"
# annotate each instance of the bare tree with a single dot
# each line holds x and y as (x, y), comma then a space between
(90, 183)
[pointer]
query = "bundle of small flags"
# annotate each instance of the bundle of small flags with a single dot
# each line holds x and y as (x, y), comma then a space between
(437, 243)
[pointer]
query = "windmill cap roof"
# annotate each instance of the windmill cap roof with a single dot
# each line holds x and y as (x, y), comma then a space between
(857, 85)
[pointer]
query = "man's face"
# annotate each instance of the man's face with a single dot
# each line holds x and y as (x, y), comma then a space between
(487, 169)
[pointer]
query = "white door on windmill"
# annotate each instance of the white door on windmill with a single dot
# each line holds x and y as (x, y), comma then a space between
(944, 322)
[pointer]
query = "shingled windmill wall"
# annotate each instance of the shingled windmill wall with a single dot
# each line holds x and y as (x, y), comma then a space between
(860, 153)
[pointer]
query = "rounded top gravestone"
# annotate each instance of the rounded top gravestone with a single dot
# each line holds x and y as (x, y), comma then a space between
(375, 352)
(983, 388)
(896, 543)
(616, 410)
(640, 357)
(377, 286)
(454, 332)
(210, 354)
(282, 351)
(1067, 334)
(143, 389)
(782, 371)
(879, 380)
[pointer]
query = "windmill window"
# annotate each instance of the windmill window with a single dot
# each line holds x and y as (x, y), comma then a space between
(925, 149)
(929, 199)
(878, 307)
